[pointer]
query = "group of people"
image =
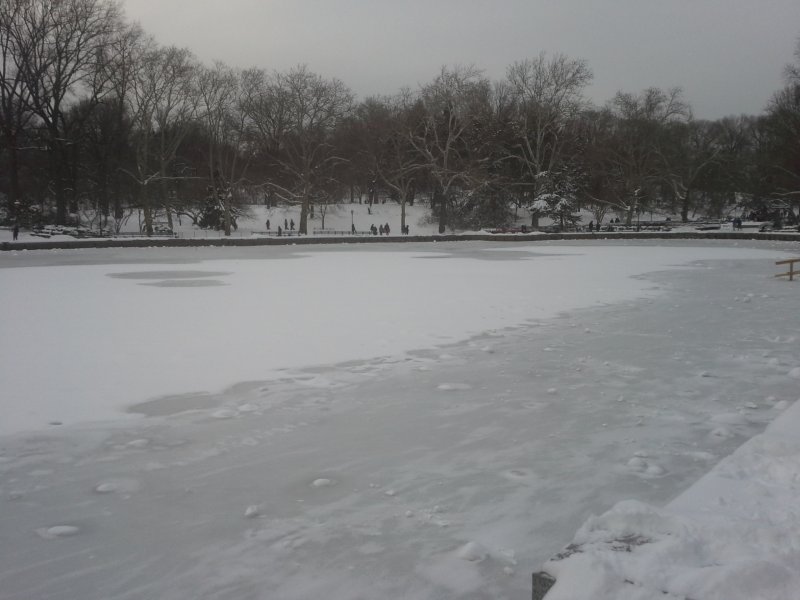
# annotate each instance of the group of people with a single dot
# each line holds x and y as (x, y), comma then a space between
(379, 230)
(592, 226)
(288, 225)
(384, 229)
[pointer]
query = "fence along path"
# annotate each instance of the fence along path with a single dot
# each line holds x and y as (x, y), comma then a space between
(791, 272)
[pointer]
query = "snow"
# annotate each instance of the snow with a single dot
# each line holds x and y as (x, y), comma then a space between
(57, 531)
(733, 534)
(340, 217)
(352, 423)
(253, 222)
(109, 336)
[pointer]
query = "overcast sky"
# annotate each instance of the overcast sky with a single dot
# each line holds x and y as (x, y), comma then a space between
(728, 55)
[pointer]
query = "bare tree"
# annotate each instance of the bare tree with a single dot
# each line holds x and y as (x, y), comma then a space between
(641, 122)
(218, 88)
(783, 122)
(548, 96)
(792, 71)
(174, 114)
(107, 132)
(602, 187)
(456, 100)
(294, 115)
(385, 142)
(15, 114)
(67, 38)
(146, 86)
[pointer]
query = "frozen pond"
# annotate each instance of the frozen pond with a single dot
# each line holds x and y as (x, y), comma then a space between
(451, 464)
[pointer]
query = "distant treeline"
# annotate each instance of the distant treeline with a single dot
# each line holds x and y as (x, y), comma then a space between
(98, 120)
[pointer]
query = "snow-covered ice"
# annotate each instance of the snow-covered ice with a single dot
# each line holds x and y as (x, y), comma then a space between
(330, 424)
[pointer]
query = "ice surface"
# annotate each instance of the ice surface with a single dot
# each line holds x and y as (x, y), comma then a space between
(180, 503)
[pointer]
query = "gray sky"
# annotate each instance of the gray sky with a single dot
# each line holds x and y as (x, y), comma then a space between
(728, 55)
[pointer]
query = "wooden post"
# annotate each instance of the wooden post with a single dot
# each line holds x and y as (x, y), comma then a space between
(791, 272)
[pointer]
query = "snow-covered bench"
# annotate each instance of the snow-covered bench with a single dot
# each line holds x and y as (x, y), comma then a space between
(338, 232)
(168, 234)
(274, 233)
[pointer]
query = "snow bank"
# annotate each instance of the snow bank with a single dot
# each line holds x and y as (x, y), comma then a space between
(734, 534)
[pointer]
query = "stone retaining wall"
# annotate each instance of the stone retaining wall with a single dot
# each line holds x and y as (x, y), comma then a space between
(289, 241)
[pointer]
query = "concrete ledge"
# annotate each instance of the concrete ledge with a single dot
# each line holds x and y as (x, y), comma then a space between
(470, 237)
(541, 584)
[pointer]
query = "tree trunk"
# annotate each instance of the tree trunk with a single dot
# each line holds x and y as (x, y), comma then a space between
(73, 178)
(118, 210)
(144, 201)
(685, 204)
(442, 205)
(303, 227)
(163, 188)
(101, 206)
(13, 173)
(227, 204)
(58, 184)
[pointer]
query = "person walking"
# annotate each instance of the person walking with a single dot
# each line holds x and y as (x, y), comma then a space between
(291, 224)
(286, 223)
(15, 231)
(386, 228)
(267, 224)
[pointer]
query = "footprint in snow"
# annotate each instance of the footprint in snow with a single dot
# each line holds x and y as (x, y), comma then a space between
(518, 474)
(117, 486)
(720, 433)
(472, 552)
(224, 413)
(140, 443)
(643, 467)
(453, 387)
(323, 482)
(57, 531)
